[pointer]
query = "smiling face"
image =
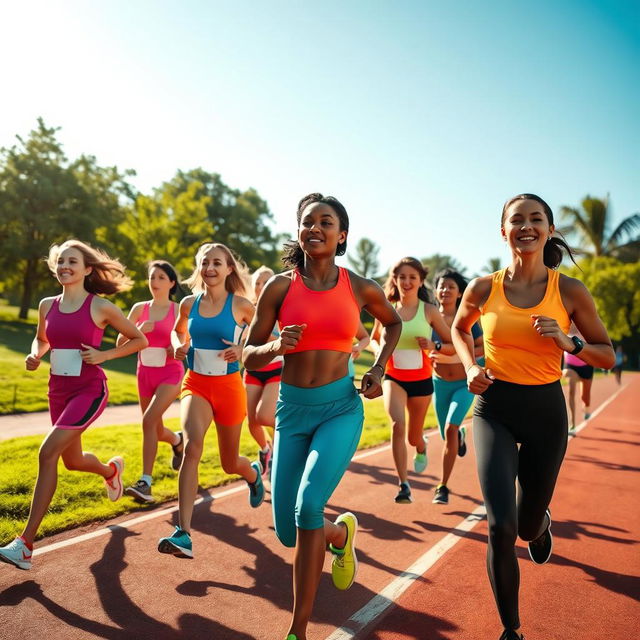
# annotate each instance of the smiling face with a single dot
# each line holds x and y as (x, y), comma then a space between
(525, 227)
(214, 268)
(70, 267)
(319, 232)
(447, 291)
(408, 281)
(159, 283)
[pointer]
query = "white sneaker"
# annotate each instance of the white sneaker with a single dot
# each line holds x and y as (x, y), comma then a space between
(17, 554)
(114, 484)
(420, 460)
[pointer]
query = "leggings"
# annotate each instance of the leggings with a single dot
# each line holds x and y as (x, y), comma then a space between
(317, 433)
(536, 417)
(453, 400)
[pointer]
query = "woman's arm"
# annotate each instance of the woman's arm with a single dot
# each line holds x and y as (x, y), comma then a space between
(40, 344)
(180, 334)
(243, 312)
(435, 319)
(133, 316)
(363, 341)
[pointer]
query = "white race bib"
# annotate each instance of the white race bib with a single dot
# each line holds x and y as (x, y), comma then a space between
(153, 357)
(66, 362)
(407, 359)
(209, 363)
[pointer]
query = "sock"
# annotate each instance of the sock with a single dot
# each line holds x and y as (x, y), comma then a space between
(26, 544)
(266, 449)
(147, 479)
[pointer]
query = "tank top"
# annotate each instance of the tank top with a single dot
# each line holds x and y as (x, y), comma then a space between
(208, 333)
(160, 337)
(71, 331)
(408, 362)
(513, 349)
(331, 316)
(574, 361)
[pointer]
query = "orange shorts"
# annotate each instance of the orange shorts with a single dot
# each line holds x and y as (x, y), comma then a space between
(225, 394)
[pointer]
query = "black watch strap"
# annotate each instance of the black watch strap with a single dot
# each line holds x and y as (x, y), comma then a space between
(579, 345)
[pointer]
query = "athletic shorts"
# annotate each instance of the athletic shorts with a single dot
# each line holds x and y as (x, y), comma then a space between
(414, 388)
(452, 402)
(584, 371)
(77, 407)
(150, 378)
(261, 377)
(225, 394)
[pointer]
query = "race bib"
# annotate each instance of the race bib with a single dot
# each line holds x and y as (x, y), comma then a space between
(209, 363)
(66, 362)
(407, 359)
(153, 357)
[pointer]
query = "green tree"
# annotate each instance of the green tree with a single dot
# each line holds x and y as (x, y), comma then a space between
(365, 262)
(437, 262)
(590, 229)
(45, 198)
(492, 265)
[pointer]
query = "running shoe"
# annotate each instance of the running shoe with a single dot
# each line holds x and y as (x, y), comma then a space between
(345, 563)
(572, 431)
(178, 544)
(140, 492)
(256, 489)
(587, 416)
(462, 442)
(291, 636)
(510, 634)
(420, 459)
(113, 485)
(540, 549)
(404, 494)
(442, 495)
(16, 553)
(176, 459)
(265, 460)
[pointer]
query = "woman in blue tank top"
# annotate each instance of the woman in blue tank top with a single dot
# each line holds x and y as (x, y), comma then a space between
(207, 333)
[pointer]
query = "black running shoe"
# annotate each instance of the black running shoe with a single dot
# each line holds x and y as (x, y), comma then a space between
(462, 442)
(540, 549)
(442, 495)
(176, 460)
(404, 495)
(140, 492)
(510, 634)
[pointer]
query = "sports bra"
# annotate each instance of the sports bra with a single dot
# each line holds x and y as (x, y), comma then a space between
(513, 349)
(332, 316)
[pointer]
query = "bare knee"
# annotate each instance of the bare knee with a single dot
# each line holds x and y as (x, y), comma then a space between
(48, 456)
(264, 418)
(229, 466)
(451, 432)
(399, 428)
(150, 423)
(193, 450)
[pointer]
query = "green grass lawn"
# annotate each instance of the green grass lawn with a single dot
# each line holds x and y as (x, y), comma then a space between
(80, 498)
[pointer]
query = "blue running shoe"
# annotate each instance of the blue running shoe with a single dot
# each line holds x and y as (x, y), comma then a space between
(256, 489)
(178, 544)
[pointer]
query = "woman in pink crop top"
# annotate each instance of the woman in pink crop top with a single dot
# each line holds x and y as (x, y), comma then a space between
(577, 370)
(159, 374)
(319, 412)
(71, 326)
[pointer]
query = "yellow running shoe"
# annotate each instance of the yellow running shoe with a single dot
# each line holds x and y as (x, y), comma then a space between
(345, 563)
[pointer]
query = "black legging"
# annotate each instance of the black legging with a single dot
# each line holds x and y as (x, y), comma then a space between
(536, 417)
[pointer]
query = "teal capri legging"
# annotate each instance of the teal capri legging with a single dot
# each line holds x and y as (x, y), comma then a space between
(317, 433)
(452, 400)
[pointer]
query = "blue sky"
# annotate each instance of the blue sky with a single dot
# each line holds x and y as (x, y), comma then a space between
(422, 117)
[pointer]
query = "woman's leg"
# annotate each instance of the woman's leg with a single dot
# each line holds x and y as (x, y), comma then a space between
(586, 396)
(449, 451)
(195, 415)
(266, 411)
(153, 428)
(395, 400)
(254, 393)
(417, 407)
(460, 401)
(572, 377)
(230, 459)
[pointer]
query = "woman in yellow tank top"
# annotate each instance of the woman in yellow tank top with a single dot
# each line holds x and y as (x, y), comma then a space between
(525, 311)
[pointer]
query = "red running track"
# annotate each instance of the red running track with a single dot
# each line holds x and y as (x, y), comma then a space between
(111, 583)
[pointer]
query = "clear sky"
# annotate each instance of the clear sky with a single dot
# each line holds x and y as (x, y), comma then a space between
(421, 117)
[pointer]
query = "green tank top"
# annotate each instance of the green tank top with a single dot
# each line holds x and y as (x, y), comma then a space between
(418, 326)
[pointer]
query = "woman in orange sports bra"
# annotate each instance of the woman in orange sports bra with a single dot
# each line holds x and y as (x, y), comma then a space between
(525, 311)
(319, 412)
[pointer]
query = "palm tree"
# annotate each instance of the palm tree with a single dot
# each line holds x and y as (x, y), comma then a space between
(365, 261)
(493, 264)
(590, 226)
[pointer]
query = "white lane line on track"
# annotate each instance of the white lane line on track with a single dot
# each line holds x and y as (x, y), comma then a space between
(380, 603)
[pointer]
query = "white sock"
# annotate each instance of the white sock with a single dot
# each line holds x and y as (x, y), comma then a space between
(147, 479)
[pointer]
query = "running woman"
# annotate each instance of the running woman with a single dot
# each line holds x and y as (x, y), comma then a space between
(319, 414)
(262, 385)
(525, 310)
(71, 325)
(407, 381)
(619, 362)
(577, 370)
(452, 398)
(159, 374)
(207, 333)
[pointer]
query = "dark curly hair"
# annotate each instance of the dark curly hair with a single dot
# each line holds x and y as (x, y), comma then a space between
(293, 255)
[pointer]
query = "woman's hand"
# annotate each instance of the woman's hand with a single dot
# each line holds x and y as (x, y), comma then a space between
(90, 355)
(548, 328)
(31, 362)
(425, 344)
(233, 353)
(479, 379)
(181, 352)
(371, 385)
(289, 338)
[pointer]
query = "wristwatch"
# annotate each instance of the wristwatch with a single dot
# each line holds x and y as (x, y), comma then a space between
(579, 345)
(437, 345)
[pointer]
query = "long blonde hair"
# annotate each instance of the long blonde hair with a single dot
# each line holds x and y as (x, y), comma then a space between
(235, 282)
(108, 275)
(256, 275)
